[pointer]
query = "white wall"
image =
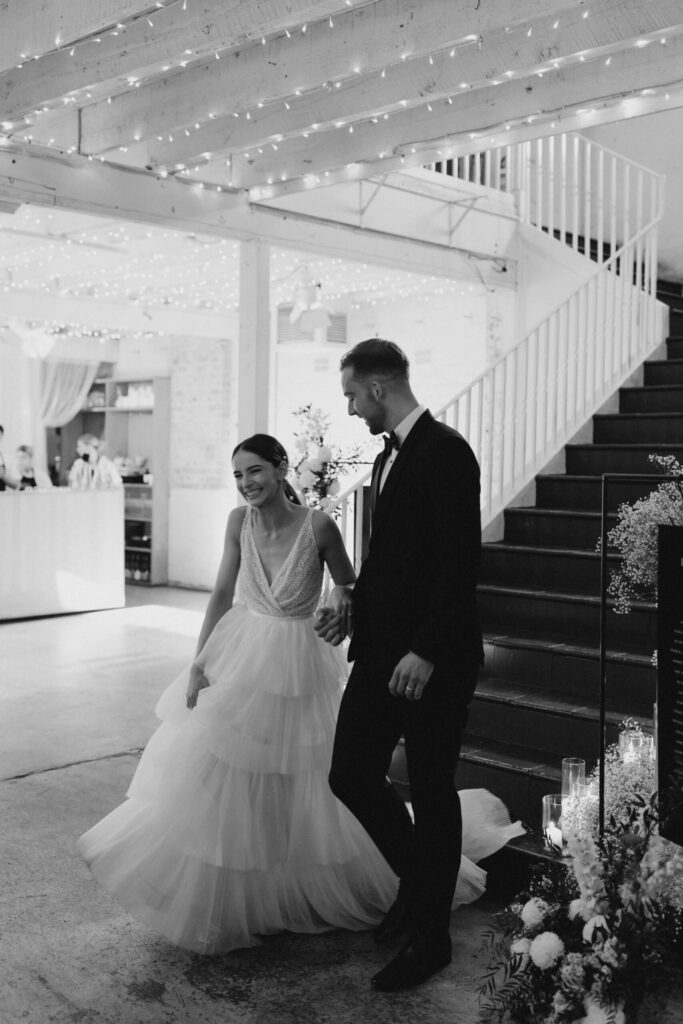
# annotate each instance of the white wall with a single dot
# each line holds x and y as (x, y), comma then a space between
(202, 436)
(142, 358)
(449, 340)
(549, 272)
(197, 520)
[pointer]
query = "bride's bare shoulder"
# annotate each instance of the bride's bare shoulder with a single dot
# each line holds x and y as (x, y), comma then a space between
(235, 521)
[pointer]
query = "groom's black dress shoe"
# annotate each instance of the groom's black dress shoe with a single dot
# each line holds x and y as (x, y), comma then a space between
(416, 962)
(396, 922)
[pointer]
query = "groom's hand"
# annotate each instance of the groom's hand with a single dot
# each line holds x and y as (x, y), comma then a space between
(410, 676)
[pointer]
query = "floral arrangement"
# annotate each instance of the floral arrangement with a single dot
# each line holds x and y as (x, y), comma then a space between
(635, 537)
(598, 936)
(320, 466)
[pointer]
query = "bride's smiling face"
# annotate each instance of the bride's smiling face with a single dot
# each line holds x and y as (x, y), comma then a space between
(258, 480)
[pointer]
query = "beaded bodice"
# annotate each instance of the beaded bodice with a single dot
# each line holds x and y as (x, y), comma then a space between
(295, 590)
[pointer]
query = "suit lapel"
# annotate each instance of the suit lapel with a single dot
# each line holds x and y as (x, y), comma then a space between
(374, 484)
(402, 461)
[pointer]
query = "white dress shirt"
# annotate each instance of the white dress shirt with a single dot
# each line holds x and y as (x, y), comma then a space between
(401, 431)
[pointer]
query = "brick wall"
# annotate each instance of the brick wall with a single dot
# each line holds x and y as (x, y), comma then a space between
(203, 413)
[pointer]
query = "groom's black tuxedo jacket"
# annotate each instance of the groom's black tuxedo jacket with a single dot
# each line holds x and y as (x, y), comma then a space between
(416, 590)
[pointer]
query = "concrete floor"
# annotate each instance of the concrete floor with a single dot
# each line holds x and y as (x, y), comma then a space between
(77, 695)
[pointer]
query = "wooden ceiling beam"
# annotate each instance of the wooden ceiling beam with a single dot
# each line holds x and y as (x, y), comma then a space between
(32, 28)
(73, 183)
(606, 31)
(142, 47)
(369, 38)
(476, 112)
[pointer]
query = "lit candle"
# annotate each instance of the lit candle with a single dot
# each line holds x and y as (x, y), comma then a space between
(551, 816)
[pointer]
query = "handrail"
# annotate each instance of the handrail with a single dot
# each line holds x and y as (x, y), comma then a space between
(525, 406)
(597, 268)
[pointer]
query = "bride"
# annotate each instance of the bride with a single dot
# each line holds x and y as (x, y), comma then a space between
(229, 830)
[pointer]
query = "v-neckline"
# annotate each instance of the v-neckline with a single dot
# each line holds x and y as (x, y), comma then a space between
(270, 584)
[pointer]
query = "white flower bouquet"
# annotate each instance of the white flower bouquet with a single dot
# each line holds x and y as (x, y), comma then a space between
(598, 937)
(320, 466)
(635, 537)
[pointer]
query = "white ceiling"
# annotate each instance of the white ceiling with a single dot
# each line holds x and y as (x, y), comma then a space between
(69, 256)
(259, 102)
(257, 92)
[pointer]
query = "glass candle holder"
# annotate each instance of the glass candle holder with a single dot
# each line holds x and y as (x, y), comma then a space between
(589, 790)
(551, 818)
(632, 745)
(573, 775)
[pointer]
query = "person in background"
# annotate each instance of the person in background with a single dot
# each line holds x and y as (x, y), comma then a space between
(92, 470)
(27, 476)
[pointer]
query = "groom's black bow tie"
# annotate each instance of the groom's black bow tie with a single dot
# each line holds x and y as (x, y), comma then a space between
(390, 441)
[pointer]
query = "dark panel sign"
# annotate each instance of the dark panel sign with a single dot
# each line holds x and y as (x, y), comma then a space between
(670, 676)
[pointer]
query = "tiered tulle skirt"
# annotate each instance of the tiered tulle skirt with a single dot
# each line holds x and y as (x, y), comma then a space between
(230, 830)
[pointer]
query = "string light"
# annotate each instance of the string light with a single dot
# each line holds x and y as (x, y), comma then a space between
(135, 83)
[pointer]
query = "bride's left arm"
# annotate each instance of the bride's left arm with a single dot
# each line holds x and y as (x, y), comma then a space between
(335, 617)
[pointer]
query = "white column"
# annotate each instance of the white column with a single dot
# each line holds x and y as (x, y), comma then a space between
(254, 364)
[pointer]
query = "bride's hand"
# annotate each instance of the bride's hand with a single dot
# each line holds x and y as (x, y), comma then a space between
(198, 681)
(329, 626)
(341, 603)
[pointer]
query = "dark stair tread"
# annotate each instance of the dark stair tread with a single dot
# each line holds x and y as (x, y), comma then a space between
(657, 387)
(658, 362)
(542, 549)
(582, 478)
(558, 513)
(498, 755)
(556, 701)
(531, 641)
(665, 414)
(630, 445)
(558, 595)
(537, 510)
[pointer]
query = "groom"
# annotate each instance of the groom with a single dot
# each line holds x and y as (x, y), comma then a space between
(416, 647)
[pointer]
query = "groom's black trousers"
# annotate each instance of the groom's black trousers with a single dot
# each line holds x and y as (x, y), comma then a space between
(426, 856)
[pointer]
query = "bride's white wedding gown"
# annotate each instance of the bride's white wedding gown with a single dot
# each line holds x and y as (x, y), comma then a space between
(229, 830)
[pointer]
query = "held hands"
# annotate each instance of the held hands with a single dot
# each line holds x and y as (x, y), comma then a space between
(410, 676)
(198, 681)
(334, 620)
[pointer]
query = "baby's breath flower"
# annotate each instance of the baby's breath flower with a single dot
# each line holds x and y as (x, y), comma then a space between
(636, 533)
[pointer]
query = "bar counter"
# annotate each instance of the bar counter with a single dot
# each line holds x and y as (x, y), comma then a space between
(60, 551)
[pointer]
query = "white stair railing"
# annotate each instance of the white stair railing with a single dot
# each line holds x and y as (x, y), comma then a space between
(523, 408)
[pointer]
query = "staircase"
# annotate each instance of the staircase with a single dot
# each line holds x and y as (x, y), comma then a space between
(539, 598)
(539, 593)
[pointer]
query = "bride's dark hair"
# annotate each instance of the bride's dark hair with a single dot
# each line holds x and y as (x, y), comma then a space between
(270, 450)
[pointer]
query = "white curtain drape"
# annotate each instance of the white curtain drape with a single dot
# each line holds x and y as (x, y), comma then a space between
(63, 387)
(37, 393)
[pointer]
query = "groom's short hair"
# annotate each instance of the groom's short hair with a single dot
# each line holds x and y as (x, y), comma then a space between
(376, 358)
